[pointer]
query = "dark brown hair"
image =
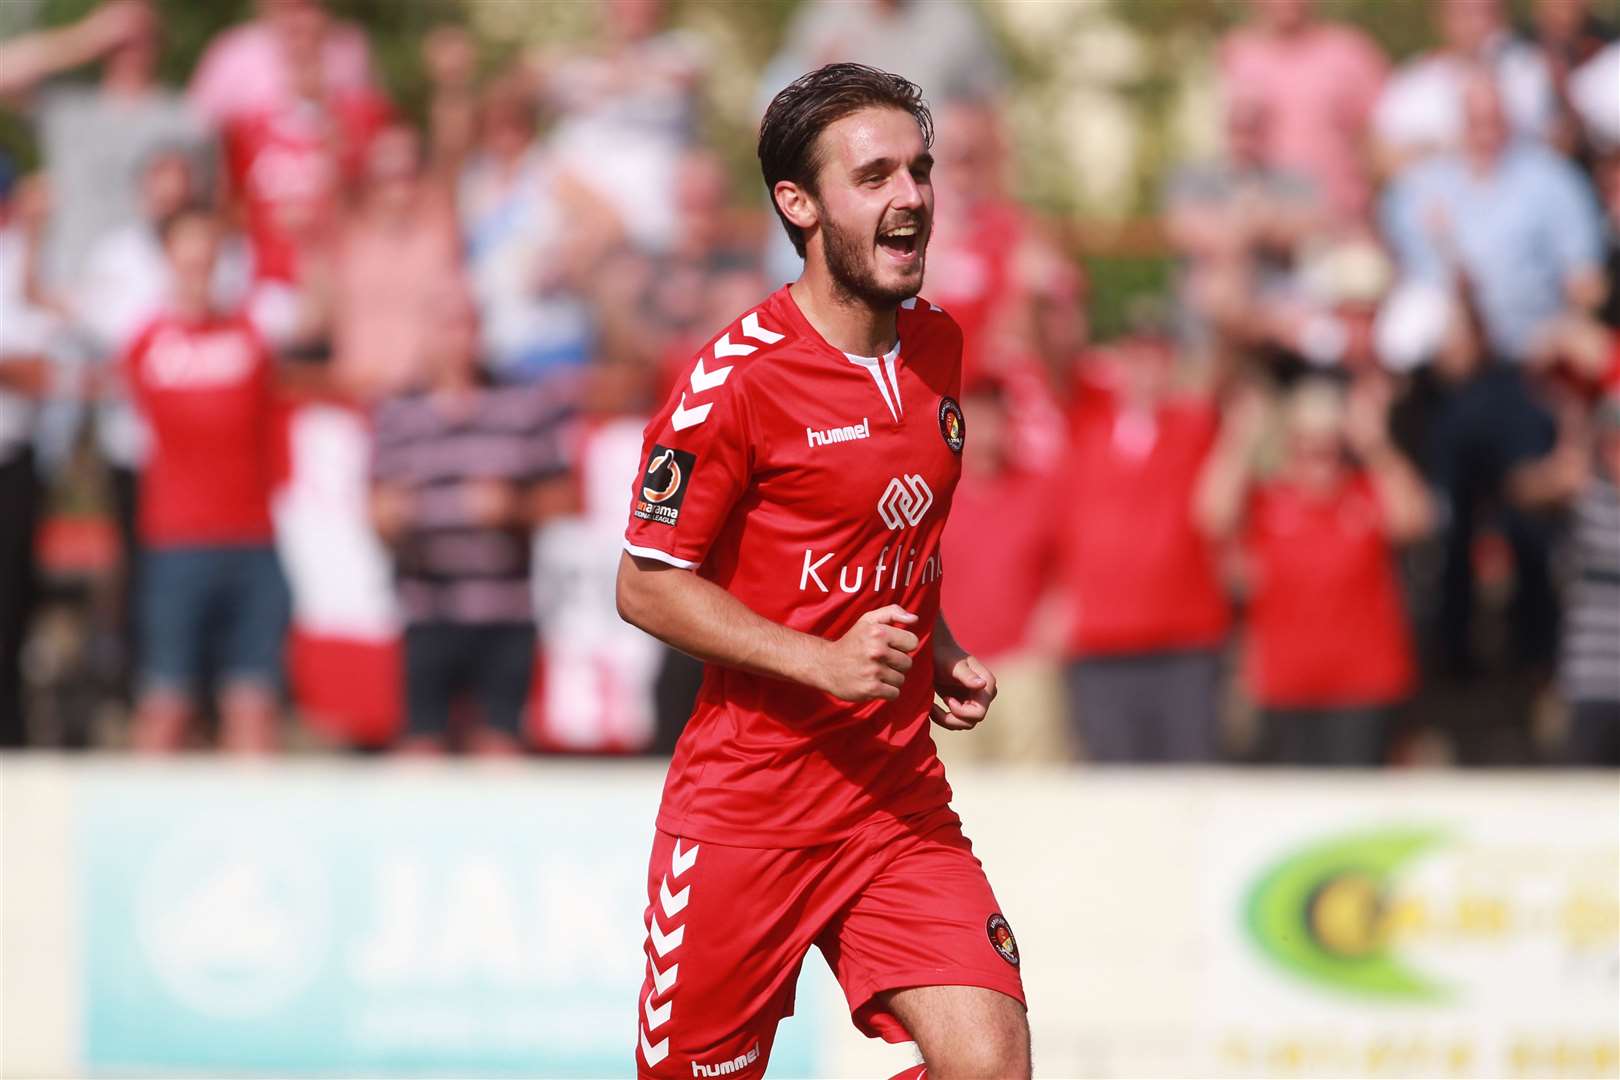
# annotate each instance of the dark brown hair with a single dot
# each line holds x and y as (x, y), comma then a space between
(191, 210)
(800, 113)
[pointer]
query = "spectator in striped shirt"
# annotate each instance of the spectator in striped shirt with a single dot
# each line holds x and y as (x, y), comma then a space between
(1583, 472)
(462, 472)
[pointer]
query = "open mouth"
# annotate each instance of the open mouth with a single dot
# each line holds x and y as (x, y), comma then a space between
(902, 241)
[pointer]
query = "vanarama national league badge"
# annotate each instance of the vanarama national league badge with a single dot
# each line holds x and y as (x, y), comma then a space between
(663, 485)
(952, 426)
(1001, 936)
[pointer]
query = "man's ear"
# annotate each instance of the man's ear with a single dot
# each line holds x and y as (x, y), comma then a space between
(796, 204)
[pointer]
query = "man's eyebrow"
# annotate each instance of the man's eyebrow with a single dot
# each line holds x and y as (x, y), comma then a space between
(887, 164)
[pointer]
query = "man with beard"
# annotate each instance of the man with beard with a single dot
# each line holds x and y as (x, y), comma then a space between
(785, 529)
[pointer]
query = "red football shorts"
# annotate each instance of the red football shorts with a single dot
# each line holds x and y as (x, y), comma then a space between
(903, 902)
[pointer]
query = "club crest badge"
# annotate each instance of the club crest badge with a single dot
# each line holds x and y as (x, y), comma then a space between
(1001, 938)
(952, 425)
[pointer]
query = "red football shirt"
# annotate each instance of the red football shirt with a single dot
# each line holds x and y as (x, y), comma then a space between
(1327, 627)
(204, 390)
(1140, 575)
(289, 166)
(813, 486)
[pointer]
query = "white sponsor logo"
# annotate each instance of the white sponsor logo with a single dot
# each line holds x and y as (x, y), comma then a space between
(176, 361)
(905, 501)
(726, 1068)
(847, 433)
(884, 574)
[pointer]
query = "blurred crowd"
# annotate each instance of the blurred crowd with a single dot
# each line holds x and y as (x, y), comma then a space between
(362, 396)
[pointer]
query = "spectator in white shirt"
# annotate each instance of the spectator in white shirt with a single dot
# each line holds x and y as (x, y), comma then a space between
(1421, 111)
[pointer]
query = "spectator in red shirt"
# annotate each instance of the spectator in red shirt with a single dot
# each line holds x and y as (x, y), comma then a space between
(1147, 614)
(1329, 649)
(292, 166)
(1003, 528)
(212, 599)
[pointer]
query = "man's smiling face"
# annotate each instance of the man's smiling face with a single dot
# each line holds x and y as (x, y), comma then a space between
(875, 203)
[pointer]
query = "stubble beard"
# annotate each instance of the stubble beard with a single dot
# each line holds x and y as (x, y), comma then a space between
(852, 274)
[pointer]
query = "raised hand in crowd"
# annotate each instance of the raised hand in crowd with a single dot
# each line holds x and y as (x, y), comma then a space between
(29, 59)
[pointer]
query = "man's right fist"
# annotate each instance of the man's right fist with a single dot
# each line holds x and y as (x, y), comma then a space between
(872, 659)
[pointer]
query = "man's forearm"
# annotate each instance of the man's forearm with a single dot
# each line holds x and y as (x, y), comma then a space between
(703, 620)
(30, 59)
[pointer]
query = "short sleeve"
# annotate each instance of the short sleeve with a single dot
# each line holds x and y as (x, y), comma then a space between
(1404, 204)
(1576, 233)
(388, 441)
(130, 366)
(696, 461)
(1366, 73)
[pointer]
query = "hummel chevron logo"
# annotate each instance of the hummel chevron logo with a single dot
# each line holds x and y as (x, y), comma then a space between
(751, 328)
(707, 380)
(653, 1053)
(683, 418)
(656, 1018)
(663, 980)
(681, 861)
(666, 943)
(673, 904)
(724, 348)
(703, 380)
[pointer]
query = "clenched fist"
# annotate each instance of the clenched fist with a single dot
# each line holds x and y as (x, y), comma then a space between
(872, 659)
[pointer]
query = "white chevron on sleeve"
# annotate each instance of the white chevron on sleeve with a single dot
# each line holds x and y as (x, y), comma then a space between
(751, 328)
(665, 943)
(681, 861)
(656, 1018)
(663, 980)
(683, 418)
(707, 380)
(674, 903)
(653, 1053)
(724, 348)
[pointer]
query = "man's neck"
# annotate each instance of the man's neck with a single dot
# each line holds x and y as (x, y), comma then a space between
(191, 309)
(848, 323)
(117, 82)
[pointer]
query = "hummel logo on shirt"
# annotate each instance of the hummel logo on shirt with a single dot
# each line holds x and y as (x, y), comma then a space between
(847, 433)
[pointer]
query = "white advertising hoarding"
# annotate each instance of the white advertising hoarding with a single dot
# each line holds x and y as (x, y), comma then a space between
(386, 918)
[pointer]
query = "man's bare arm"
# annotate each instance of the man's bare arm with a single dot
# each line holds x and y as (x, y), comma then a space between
(698, 617)
(29, 59)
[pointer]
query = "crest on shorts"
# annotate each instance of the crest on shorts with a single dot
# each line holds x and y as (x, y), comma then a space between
(952, 426)
(1001, 937)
